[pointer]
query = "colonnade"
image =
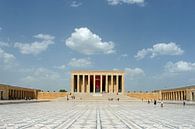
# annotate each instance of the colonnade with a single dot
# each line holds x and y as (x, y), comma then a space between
(21, 94)
(174, 95)
(84, 82)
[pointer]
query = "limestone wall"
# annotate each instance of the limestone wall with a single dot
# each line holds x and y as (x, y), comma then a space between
(51, 95)
(15, 92)
(145, 95)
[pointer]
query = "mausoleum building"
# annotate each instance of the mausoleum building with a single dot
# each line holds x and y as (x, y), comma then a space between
(86, 81)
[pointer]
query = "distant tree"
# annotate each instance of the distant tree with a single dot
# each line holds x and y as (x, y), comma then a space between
(62, 90)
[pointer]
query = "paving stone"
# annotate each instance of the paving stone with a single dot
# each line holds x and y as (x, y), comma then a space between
(86, 115)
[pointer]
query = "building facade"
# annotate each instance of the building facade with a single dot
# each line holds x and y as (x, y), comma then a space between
(97, 81)
(183, 93)
(8, 92)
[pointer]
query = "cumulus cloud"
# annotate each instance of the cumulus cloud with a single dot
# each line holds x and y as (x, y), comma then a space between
(75, 4)
(42, 74)
(6, 58)
(82, 62)
(36, 47)
(134, 72)
(88, 43)
(4, 44)
(61, 67)
(117, 2)
(180, 66)
(160, 49)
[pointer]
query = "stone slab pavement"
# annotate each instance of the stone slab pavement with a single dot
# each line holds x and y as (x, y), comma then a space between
(99, 115)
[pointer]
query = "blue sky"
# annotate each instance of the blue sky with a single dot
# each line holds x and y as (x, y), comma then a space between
(151, 40)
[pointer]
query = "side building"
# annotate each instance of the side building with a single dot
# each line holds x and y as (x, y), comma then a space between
(182, 93)
(88, 81)
(8, 92)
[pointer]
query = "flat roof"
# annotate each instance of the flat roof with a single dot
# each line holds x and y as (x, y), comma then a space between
(97, 71)
(180, 88)
(5, 85)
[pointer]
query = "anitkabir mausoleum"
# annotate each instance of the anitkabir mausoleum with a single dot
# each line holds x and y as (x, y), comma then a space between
(94, 83)
(97, 81)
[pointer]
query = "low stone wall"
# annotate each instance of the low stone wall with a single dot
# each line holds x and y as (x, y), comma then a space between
(145, 95)
(51, 95)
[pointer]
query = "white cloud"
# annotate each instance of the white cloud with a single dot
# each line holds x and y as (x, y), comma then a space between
(134, 73)
(5, 57)
(36, 47)
(180, 66)
(61, 67)
(117, 2)
(4, 44)
(86, 42)
(160, 49)
(45, 37)
(41, 74)
(82, 62)
(124, 55)
(75, 4)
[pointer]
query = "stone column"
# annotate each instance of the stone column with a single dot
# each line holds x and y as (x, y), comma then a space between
(88, 85)
(111, 88)
(106, 83)
(116, 84)
(163, 97)
(83, 84)
(72, 84)
(167, 96)
(176, 96)
(100, 83)
(123, 84)
(78, 83)
(181, 95)
(94, 84)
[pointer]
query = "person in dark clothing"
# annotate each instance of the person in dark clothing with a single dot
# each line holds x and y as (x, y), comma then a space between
(184, 103)
(154, 102)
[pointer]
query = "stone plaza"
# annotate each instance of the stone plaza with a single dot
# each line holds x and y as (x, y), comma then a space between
(63, 114)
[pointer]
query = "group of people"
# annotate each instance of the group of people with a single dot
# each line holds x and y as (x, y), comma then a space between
(155, 103)
(162, 104)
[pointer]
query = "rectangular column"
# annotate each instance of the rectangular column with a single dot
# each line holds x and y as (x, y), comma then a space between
(111, 88)
(83, 84)
(78, 87)
(181, 95)
(123, 84)
(88, 85)
(169, 96)
(100, 83)
(94, 84)
(166, 95)
(116, 89)
(72, 84)
(106, 83)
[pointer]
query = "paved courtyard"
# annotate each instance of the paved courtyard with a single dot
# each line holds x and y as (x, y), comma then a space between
(89, 115)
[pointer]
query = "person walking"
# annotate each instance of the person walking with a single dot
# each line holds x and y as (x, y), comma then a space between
(161, 104)
(154, 102)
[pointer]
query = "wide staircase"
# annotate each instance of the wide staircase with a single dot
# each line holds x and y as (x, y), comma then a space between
(102, 97)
